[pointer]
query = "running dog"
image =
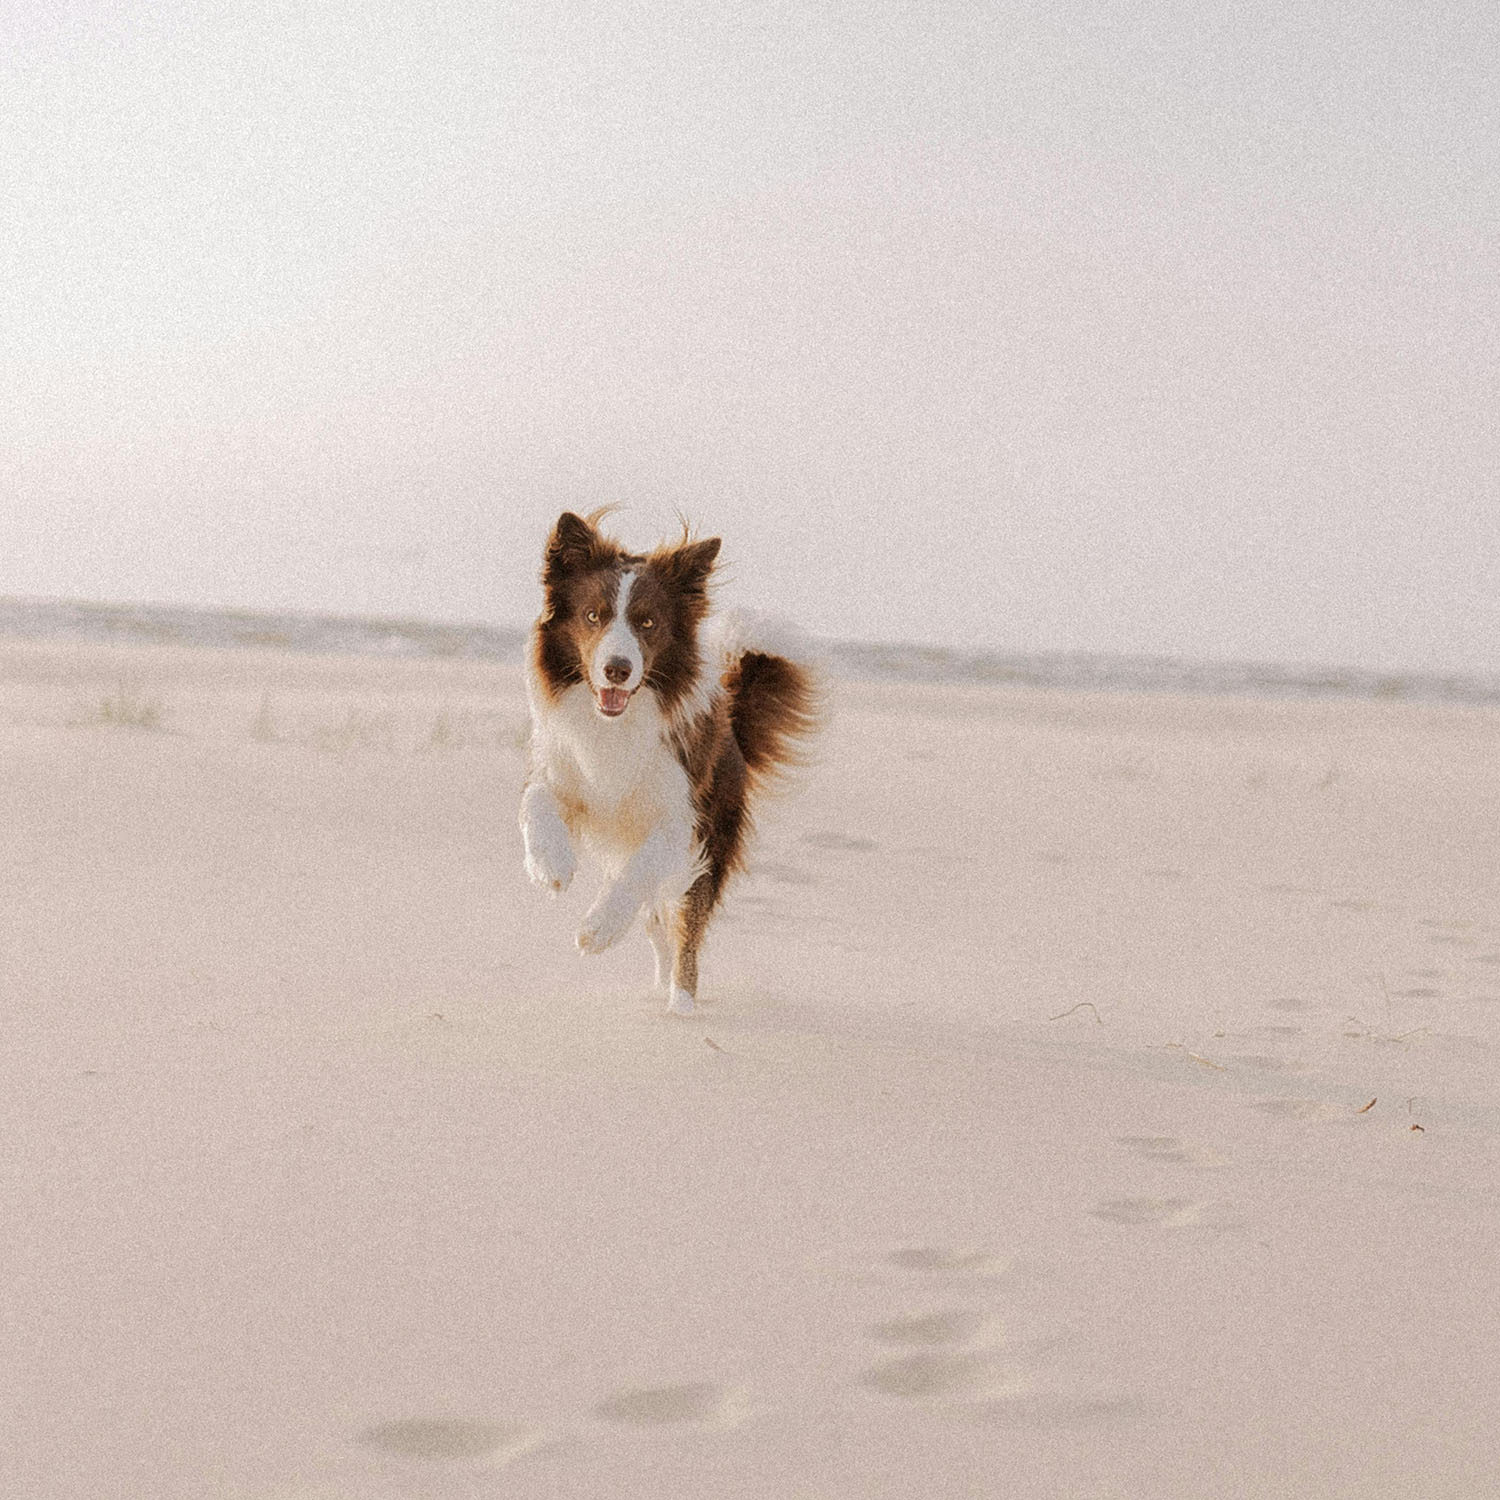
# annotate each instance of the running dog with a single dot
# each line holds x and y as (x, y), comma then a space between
(654, 725)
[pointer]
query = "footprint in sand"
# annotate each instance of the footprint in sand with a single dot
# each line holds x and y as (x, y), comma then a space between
(960, 1368)
(956, 1326)
(949, 1260)
(784, 874)
(1170, 1148)
(979, 1383)
(661, 1405)
(969, 1375)
(1301, 1109)
(1169, 1213)
(423, 1437)
(942, 1370)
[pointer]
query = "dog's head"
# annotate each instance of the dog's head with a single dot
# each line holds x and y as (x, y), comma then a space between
(618, 621)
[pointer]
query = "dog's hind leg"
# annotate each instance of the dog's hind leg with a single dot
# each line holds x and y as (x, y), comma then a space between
(692, 923)
(721, 831)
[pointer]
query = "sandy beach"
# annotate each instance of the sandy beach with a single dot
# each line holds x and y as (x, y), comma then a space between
(1094, 1097)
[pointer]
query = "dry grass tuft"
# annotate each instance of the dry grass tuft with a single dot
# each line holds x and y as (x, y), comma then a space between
(127, 707)
(385, 727)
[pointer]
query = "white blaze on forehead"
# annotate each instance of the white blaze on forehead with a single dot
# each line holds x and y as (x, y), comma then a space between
(622, 593)
(618, 640)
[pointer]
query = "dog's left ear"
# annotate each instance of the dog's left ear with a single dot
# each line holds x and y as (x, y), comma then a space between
(572, 546)
(690, 565)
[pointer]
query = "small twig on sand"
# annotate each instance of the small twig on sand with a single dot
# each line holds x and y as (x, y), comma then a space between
(1082, 1005)
(1365, 1109)
(1381, 1036)
(1196, 1057)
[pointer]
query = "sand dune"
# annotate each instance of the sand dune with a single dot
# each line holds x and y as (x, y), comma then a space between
(1093, 1097)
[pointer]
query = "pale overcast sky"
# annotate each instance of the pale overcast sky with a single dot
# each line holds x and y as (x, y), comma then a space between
(1132, 327)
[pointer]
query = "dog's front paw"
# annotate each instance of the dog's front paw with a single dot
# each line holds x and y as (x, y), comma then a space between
(606, 922)
(551, 867)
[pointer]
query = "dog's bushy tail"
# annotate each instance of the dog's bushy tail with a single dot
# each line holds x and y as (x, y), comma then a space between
(775, 693)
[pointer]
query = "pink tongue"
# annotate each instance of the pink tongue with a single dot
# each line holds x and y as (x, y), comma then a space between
(613, 700)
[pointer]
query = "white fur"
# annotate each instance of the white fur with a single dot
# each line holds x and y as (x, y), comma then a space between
(699, 698)
(662, 947)
(726, 636)
(618, 640)
(549, 854)
(615, 785)
(660, 870)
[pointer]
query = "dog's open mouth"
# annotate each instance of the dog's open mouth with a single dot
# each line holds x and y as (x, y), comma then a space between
(612, 701)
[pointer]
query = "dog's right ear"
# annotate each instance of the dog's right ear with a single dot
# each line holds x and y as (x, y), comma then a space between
(573, 545)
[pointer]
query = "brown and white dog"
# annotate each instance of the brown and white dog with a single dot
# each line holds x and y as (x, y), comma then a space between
(652, 727)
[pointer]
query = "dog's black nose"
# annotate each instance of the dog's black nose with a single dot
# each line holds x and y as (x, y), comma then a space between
(617, 669)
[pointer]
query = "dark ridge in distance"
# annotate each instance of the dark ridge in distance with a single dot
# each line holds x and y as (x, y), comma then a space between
(181, 625)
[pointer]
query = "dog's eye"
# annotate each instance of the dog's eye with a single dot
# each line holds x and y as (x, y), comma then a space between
(592, 617)
(648, 624)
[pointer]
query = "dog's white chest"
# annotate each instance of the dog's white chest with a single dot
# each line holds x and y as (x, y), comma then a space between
(617, 778)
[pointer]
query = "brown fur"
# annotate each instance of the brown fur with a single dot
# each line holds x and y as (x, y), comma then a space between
(774, 710)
